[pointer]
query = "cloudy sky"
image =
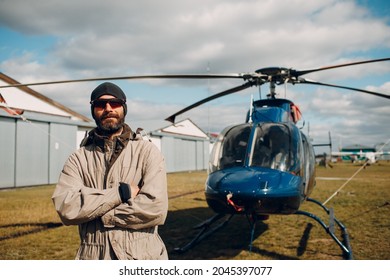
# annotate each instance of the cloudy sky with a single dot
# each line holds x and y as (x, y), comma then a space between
(54, 40)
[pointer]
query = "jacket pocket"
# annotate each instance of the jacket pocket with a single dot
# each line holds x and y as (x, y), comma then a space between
(146, 247)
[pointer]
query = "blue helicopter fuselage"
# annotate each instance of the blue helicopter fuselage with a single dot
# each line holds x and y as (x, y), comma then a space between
(259, 190)
(263, 166)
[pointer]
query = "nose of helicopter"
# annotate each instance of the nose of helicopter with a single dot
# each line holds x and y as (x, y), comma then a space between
(263, 190)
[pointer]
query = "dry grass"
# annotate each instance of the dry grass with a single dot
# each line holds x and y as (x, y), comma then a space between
(30, 229)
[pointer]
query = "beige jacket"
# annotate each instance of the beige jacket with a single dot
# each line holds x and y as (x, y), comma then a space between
(87, 195)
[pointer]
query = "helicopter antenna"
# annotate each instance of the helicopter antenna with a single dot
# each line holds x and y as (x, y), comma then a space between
(285, 88)
(251, 110)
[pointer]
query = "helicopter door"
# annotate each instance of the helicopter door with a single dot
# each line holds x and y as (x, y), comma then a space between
(309, 165)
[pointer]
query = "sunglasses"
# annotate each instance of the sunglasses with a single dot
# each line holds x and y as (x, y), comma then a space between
(102, 103)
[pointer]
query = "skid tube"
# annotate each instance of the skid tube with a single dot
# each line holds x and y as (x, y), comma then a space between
(345, 245)
(206, 230)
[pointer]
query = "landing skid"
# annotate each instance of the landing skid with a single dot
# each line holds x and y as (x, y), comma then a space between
(207, 229)
(330, 229)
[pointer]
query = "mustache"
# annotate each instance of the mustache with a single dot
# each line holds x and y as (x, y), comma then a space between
(109, 115)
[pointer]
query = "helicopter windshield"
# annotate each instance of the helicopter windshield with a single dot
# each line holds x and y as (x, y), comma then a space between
(271, 147)
(230, 148)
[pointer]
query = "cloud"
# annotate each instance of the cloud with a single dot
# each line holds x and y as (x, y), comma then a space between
(108, 38)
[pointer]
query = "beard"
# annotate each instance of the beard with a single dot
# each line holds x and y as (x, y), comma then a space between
(110, 123)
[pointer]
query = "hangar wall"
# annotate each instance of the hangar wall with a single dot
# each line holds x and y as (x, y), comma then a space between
(33, 152)
(185, 154)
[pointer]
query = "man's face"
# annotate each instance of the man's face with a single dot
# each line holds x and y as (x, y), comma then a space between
(108, 114)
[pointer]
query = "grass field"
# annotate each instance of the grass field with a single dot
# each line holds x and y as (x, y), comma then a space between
(31, 230)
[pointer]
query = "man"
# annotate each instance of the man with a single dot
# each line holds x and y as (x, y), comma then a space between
(114, 187)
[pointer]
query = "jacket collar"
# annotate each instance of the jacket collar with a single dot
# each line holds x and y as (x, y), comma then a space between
(94, 137)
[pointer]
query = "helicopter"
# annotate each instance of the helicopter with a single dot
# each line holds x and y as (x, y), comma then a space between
(265, 165)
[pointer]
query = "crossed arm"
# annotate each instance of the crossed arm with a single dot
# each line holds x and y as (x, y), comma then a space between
(147, 206)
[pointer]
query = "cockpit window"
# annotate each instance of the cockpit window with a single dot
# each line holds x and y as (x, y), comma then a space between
(271, 147)
(230, 148)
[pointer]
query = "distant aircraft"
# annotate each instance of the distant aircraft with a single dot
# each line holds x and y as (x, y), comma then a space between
(371, 157)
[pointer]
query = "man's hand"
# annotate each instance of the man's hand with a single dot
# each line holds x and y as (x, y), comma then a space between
(134, 190)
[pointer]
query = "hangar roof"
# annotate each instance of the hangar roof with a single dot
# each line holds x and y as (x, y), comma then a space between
(27, 99)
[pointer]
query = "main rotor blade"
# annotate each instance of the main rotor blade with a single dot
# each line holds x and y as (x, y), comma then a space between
(303, 72)
(215, 96)
(304, 81)
(139, 77)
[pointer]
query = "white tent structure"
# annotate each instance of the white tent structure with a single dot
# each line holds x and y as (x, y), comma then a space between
(184, 145)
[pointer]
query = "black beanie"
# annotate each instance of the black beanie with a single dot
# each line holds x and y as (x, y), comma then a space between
(110, 89)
